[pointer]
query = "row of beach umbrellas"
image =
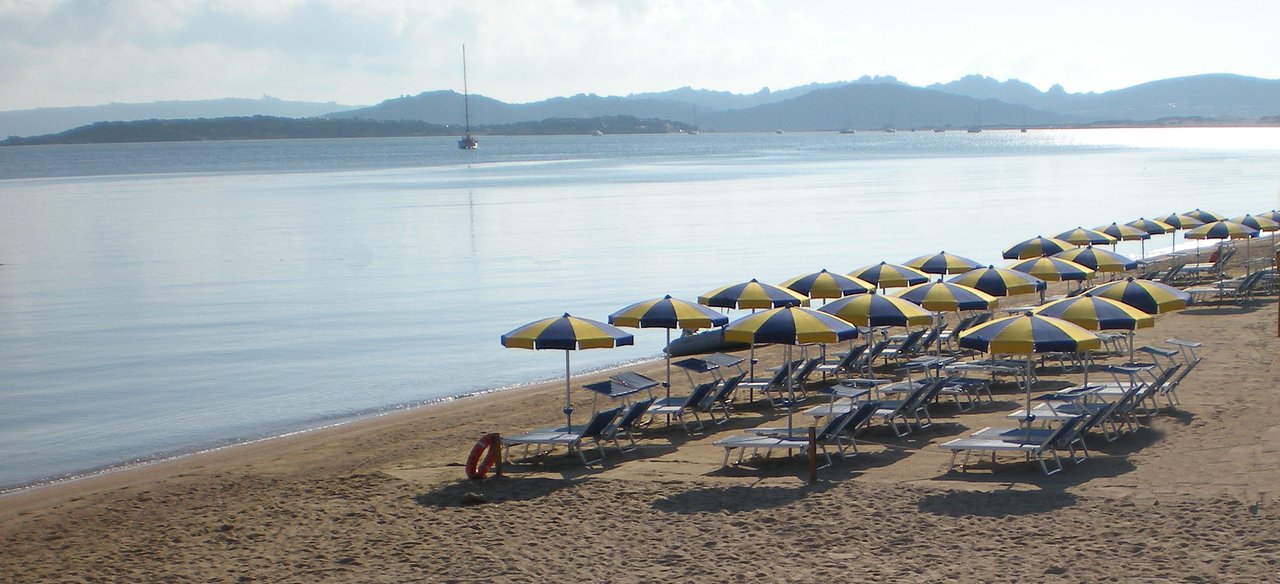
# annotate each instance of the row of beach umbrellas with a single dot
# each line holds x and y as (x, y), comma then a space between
(1059, 326)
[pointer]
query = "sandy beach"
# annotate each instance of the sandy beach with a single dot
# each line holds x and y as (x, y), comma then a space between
(1189, 497)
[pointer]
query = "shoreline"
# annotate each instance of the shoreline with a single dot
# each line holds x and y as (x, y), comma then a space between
(1190, 493)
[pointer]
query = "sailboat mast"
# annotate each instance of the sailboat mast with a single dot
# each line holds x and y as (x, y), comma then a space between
(466, 99)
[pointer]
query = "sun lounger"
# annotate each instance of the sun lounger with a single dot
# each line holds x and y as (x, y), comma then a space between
(593, 431)
(678, 406)
(1069, 441)
(1036, 449)
(844, 364)
(777, 383)
(722, 398)
(837, 431)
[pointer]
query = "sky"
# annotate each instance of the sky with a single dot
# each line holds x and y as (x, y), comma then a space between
(69, 53)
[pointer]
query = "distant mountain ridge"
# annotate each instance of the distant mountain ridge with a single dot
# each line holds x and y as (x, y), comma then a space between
(49, 120)
(875, 103)
(868, 103)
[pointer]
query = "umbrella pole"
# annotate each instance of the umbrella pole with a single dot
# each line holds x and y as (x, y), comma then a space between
(1030, 417)
(668, 363)
(568, 407)
(791, 397)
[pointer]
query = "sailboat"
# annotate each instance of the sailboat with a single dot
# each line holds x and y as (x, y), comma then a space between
(467, 142)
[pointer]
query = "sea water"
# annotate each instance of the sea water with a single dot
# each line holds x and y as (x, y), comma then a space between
(158, 299)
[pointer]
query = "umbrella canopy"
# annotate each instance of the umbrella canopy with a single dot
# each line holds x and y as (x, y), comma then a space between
(1180, 221)
(1150, 226)
(753, 294)
(1035, 247)
(1259, 222)
(942, 263)
(789, 326)
(1221, 229)
(826, 284)
(1145, 295)
(1000, 281)
(887, 275)
(947, 296)
(878, 310)
(1099, 260)
(1027, 334)
(1082, 236)
(1097, 313)
(1204, 216)
(668, 313)
(1124, 232)
(567, 333)
(1272, 215)
(1053, 269)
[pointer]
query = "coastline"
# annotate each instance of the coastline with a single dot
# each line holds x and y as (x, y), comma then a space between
(1188, 495)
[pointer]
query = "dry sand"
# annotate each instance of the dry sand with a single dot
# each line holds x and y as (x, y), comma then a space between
(1191, 496)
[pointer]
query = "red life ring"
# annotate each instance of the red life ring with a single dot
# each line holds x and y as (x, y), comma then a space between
(478, 468)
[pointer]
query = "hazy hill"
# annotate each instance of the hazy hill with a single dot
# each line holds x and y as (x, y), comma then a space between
(446, 107)
(56, 119)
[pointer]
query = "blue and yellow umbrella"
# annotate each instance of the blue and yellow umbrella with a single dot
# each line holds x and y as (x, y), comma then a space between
(567, 333)
(947, 297)
(1000, 281)
(1098, 260)
(886, 275)
(1035, 247)
(1027, 334)
(1204, 216)
(1221, 229)
(1146, 295)
(752, 295)
(1053, 269)
(942, 263)
(1150, 226)
(1097, 313)
(871, 310)
(826, 284)
(1082, 236)
(1272, 215)
(789, 326)
(1123, 232)
(668, 313)
(1259, 222)
(1179, 222)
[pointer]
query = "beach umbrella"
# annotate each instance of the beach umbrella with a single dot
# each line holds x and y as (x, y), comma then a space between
(886, 275)
(947, 297)
(824, 284)
(567, 333)
(668, 313)
(1099, 260)
(1000, 281)
(1179, 222)
(1272, 215)
(1150, 227)
(1026, 335)
(753, 294)
(1259, 222)
(872, 310)
(1222, 229)
(1097, 313)
(789, 326)
(1053, 269)
(1082, 236)
(1125, 232)
(1204, 216)
(1035, 247)
(1146, 295)
(942, 263)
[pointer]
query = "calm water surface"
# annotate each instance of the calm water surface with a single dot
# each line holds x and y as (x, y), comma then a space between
(163, 298)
